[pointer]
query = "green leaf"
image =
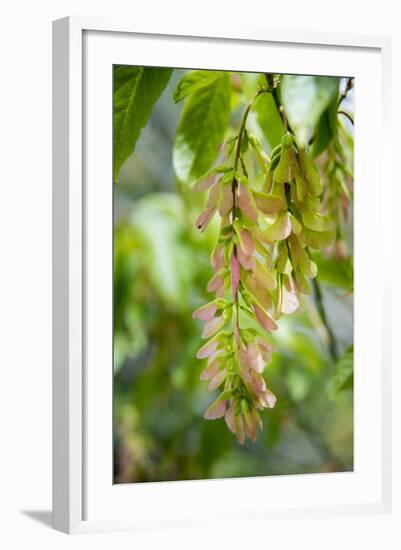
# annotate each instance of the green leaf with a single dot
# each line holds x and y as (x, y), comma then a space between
(326, 129)
(136, 90)
(201, 129)
(193, 82)
(344, 375)
(305, 98)
(269, 119)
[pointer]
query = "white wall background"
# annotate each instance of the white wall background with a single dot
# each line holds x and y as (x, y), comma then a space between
(25, 272)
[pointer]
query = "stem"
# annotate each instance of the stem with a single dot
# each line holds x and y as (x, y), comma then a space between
(273, 90)
(236, 302)
(242, 127)
(350, 84)
(332, 344)
(347, 115)
(235, 185)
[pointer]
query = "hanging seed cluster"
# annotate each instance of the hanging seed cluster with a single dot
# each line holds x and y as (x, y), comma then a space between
(261, 266)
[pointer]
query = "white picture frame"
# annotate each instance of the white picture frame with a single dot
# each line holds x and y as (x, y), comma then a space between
(79, 483)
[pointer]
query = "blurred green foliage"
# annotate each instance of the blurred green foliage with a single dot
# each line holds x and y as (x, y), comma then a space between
(161, 269)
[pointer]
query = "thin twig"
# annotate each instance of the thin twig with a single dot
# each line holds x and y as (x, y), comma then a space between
(347, 115)
(343, 95)
(332, 344)
(273, 90)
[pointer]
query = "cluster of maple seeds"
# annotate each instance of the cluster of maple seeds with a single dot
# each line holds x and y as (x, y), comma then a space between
(261, 265)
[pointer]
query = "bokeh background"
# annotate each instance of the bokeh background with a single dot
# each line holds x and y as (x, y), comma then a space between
(161, 269)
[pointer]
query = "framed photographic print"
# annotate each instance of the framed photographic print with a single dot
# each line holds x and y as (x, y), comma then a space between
(219, 338)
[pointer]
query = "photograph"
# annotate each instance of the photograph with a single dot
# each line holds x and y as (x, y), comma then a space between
(233, 287)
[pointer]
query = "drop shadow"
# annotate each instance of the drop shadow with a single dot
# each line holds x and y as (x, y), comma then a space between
(41, 516)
